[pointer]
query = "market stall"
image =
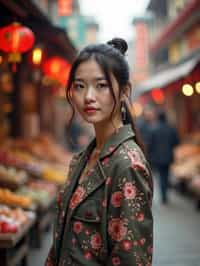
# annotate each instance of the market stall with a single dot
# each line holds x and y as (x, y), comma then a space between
(186, 167)
(31, 173)
(15, 225)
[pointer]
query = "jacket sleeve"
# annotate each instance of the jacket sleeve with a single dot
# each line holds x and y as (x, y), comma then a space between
(51, 258)
(130, 222)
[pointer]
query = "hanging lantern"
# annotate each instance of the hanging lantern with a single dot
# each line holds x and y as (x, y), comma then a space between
(158, 96)
(57, 68)
(16, 39)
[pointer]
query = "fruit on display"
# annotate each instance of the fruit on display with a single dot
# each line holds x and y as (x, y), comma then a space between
(40, 157)
(8, 225)
(12, 199)
(184, 151)
(54, 175)
(37, 196)
(11, 220)
(187, 169)
(43, 147)
(38, 184)
(11, 174)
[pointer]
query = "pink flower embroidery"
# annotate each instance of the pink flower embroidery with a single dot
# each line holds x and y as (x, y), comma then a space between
(126, 245)
(116, 199)
(116, 261)
(88, 255)
(129, 190)
(136, 160)
(116, 229)
(96, 241)
(87, 231)
(140, 216)
(77, 197)
(77, 227)
(142, 241)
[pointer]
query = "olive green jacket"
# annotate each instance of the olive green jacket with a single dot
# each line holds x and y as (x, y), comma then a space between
(106, 220)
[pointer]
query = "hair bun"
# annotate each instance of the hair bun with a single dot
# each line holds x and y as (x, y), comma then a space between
(119, 44)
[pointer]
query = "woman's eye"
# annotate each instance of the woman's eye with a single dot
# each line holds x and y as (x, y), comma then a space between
(78, 86)
(102, 85)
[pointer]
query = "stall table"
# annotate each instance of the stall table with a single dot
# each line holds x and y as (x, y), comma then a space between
(14, 247)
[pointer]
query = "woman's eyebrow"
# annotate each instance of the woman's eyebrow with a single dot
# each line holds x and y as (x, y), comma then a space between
(95, 79)
(100, 78)
(78, 79)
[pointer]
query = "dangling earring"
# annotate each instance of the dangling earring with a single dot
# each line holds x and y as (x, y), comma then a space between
(123, 111)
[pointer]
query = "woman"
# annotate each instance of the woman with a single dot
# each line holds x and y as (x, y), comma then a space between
(104, 211)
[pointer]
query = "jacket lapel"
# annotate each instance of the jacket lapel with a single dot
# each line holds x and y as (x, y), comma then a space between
(98, 175)
(67, 194)
(116, 139)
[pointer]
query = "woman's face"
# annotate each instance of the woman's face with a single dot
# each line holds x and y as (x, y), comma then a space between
(91, 94)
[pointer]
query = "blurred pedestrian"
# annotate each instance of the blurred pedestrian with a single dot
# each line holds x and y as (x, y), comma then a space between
(162, 140)
(144, 124)
(104, 211)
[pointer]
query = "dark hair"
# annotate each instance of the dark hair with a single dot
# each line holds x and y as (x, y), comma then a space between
(162, 116)
(110, 57)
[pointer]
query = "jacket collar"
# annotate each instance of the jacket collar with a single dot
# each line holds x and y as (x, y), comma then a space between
(117, 138)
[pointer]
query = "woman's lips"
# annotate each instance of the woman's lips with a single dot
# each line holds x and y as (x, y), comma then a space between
(90, 110)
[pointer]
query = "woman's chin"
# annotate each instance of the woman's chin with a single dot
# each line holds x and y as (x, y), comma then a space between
(93, 120)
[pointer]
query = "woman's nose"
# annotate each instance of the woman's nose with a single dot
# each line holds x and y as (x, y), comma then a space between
(90, 95)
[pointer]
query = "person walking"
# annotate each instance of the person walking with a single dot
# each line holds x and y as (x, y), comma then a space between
(104, 212)
(144, 124)
(162, 140)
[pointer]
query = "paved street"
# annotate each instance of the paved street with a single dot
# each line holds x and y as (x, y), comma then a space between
(177, 234)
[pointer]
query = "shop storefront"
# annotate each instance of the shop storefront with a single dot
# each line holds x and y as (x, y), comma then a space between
(33, 165)
(177, 91)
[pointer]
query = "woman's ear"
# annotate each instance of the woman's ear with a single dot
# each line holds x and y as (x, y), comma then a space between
(127, 90)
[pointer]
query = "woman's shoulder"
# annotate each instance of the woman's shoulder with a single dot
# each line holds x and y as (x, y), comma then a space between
(130, 155)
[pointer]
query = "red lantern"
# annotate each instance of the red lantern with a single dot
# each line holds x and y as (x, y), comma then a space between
(158, 96)
(16, 39)
(57, 68)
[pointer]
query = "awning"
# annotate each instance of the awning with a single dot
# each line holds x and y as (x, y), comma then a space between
(166, 76)
(182, 21)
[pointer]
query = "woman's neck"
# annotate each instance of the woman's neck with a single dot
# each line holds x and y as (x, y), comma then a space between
(104, 131)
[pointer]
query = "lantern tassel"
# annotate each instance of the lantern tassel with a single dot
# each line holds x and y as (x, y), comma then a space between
(14, 67)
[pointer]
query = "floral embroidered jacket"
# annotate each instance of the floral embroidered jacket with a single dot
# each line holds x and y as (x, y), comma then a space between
(107, 220)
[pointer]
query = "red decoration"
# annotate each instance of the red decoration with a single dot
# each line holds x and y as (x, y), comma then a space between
(57, 68)
(158, 96)
(16, 39)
